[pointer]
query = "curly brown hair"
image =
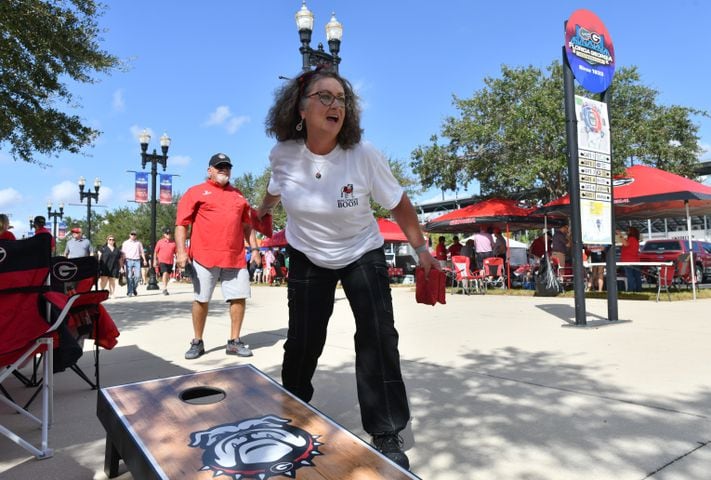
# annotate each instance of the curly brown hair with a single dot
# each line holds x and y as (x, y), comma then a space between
(633, 232)
(289, 99)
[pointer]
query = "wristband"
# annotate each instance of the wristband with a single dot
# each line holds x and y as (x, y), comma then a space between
(254, 249)
(421, 248)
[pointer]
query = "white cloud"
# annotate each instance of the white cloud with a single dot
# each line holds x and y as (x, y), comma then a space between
(223, 117)
(9, 197)
(64, 192)
(118, 103)
(234, 124)
(705, 152)
(219, 116)
(106, 195)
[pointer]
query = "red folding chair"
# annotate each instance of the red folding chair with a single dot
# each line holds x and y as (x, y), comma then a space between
(88, 318)
(465, 279)
(493, 272)
(25, 329)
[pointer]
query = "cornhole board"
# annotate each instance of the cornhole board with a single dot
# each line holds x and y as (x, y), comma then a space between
(234, 423)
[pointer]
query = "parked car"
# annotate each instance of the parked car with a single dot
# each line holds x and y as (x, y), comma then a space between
(669, 250)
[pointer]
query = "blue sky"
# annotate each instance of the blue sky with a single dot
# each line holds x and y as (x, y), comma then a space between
(205, 73)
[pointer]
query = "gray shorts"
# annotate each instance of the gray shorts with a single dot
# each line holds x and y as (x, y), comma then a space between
(235, 282)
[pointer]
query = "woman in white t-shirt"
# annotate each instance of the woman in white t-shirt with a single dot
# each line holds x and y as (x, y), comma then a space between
(325, 177)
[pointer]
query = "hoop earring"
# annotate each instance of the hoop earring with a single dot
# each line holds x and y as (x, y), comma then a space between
(300, 125)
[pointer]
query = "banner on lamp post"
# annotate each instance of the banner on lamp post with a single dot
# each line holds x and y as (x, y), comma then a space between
(166, 188)
(61, 230)
(141, 195)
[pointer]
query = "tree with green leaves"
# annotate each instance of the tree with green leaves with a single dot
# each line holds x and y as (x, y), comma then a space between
(44, 44)
(121, 221)
(510, 135)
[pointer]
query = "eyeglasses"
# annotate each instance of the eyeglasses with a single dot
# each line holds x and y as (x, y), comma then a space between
(111, 239)
(132, 233)
(327, 99)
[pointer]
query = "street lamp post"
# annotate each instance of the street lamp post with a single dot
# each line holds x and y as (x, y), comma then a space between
(54, 215)
(89, 195)
(154, 158)
(334, 33)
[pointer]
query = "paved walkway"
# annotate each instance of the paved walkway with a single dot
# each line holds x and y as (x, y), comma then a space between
(500, 387)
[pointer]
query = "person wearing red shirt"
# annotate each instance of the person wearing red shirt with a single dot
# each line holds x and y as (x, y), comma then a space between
(164, 253)
(441, 250)
(39, 224)
(455, 248)
(630, 253)
(220, 219)
(5, 233)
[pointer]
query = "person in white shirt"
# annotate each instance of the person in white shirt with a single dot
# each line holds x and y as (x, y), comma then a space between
(325, 176)
(132, 253)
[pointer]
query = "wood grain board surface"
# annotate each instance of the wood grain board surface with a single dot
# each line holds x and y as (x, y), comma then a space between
(258, 430)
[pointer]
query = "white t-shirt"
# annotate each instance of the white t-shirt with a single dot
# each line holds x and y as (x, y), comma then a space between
(329, 218)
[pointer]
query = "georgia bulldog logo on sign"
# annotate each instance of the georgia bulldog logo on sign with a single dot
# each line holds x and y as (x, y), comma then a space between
(258, 448)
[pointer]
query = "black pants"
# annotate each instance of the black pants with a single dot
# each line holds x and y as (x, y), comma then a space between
(381, 391)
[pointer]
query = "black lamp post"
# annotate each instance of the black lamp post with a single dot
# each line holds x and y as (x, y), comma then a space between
(54, 215)
(154, 159)
(32, 223)
(334, 33)
(89, 195)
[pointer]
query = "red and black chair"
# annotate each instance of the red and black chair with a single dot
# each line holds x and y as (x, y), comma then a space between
(26, 329)
(88, 319)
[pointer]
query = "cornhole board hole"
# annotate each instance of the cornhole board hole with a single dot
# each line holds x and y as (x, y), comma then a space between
(234, 423)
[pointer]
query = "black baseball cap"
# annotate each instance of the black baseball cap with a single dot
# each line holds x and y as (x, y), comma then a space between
(219, 159)
(40, 220)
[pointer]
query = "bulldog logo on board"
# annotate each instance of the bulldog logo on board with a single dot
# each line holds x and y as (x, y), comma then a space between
(256, 448)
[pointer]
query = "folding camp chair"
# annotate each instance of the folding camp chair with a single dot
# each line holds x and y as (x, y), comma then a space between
(564, 273)
(465, 279)
(80, 275)
(666, 279)
(493, 272)
(25, 329)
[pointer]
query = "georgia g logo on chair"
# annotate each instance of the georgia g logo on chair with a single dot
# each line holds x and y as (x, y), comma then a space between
(64, 271)
(3, 254)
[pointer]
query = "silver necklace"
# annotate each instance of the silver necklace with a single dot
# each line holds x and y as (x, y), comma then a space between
(318, 170)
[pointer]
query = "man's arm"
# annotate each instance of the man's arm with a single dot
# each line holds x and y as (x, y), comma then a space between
(250, 234)
(181, 255)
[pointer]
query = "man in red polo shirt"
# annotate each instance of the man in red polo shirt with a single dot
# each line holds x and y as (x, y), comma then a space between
(165, 254)
(220, 219)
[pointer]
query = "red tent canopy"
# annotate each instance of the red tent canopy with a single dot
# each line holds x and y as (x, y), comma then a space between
(471, 217)
(648, 192)
(391, 231)
(276, 240)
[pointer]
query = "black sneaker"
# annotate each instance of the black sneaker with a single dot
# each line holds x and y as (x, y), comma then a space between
(197, 349)
(165, 292)
(390, 445)
(236, 347)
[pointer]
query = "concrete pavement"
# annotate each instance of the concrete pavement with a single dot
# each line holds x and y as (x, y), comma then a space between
(500, 387)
